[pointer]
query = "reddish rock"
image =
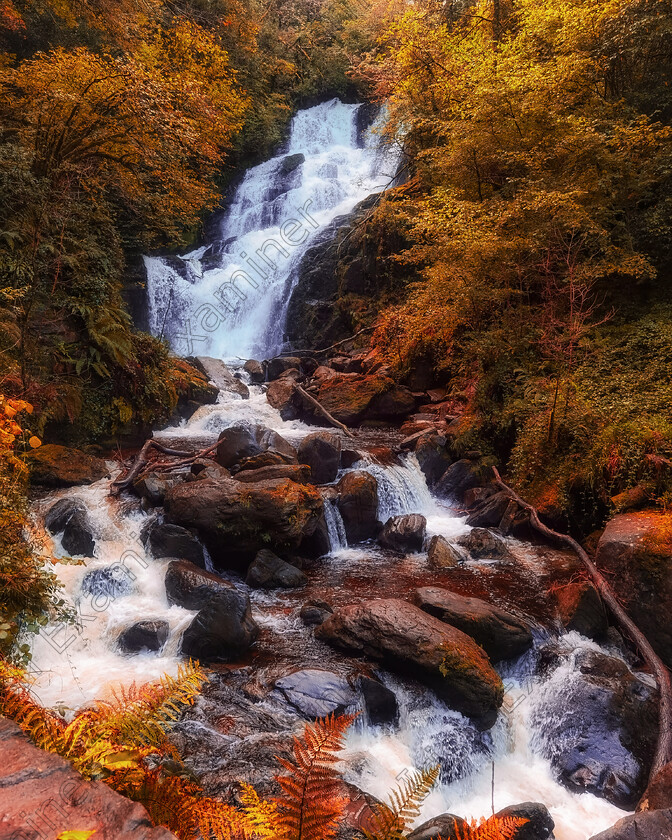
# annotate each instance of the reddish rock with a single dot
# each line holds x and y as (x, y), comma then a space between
(358, 505)
(295, 472)
(581, 609)
(281, 395)
(321, 451)
(659, 792)
(61, 466)
(441, 554)
(43, 796)
(352, 399)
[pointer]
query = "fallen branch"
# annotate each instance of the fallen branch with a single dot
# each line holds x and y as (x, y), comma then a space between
(664, 746)
(142, 459)
(323, 411)
(333, 346)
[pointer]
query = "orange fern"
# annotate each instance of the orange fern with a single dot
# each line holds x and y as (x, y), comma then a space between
(312, 801)
(493, 828)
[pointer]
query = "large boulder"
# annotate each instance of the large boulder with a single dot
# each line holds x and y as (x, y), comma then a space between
(281, 395)
(247, 440)
(461, 476)
(380, 702)
(317, 693)
(635, 552)
(581, 609)
(255, 370)
(659, 791)
(597, 723)
(358, 505)
(538, 825)
(647, 825)
(321, 451)
(163, 539)
(281, 364)
(69, 518)
(500, 634)
(488, 513)
(235, 518)
(432, 455)
(61, 466)
(352, 399)
(404, 533)
(441, 554)
(223, 628)
(152, 486)
(299, 473)
(144, 635)
(219, 374)
(482, 544)
(268, 571)
(421, 646)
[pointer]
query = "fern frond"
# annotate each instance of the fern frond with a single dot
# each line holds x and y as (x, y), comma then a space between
(261, 815)
(492, 828)
(390, 821)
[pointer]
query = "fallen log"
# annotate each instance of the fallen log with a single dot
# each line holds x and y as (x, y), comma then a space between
(323, 411)
(664, 746)
(142, 459)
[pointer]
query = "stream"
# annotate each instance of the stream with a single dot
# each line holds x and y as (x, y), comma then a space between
(215, 301)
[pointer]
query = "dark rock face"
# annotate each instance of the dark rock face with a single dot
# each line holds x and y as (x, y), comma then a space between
(108, 583)
(276, 367)
(457, 479)
(224, 628)
(255, 370)
(443, 827)
(441, 554)
(358, 505)
(379, 701)
(244, 441)
(69, 518)
(152, 487)
(598, 728)
(61, 466)
(299, 473)
(165, 540)
(404, 533)
(267, 571)
(489, 512)
(316, 693)
(500, 634)
(432, 455)
(484, 545)
(315, 612)
(408, 640)
(292, 162)
(539, 825)
(43, 786)
(647, 825)
(282, 395)
(144, 635)
(581, 609)
(240, 519)
(321, 451)
(634, 553)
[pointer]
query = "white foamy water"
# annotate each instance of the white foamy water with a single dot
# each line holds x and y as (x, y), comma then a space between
(231, 301)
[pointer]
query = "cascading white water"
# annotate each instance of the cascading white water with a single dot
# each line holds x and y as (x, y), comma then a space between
(335, 527)
(229, 299)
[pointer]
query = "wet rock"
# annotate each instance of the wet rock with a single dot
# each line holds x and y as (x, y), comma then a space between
(69, 518)
(193, 391)
(414, 643)
(206, 468)
(500, 634)
(292, 162)
(144, 635)
(352, 399)
(489, 512)
(458, 478)
(404, 533)
(441, 554)
(255, 371)
(219, 374)
(165, 540)
(539, 825)
(315, 612)
(316, 693)
(61, 466)
(276, 367)
(647, 825)
(321, 451)
(268, 571)
(379, 701)
(104, 585)
(245, 441)
(433, 457)
(299, 473)
(152, 486)
(223, 628)
(658, 794)
(598, 725)
(634, 552)
(45, 788)
(235, 518)
(358, 505)
(282, 396)
(484, 545)
(443, 827)
(581, 609)
(269, 458)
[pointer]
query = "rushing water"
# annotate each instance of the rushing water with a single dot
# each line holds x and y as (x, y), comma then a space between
(229, 298)
(74, 664)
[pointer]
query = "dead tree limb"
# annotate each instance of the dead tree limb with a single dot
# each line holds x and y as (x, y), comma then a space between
(664, 746)
(333, 346)
(323, 411)
(142, 459)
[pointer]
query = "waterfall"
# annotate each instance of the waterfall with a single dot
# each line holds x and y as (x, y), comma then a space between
(335, 527)
(229, 298)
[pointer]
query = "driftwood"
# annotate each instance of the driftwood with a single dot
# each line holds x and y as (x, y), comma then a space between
(324, 349)
(142, 460)
(323, 411)
(664, 746)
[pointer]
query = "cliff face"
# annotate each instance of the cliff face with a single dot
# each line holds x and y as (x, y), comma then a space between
(42, 796)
